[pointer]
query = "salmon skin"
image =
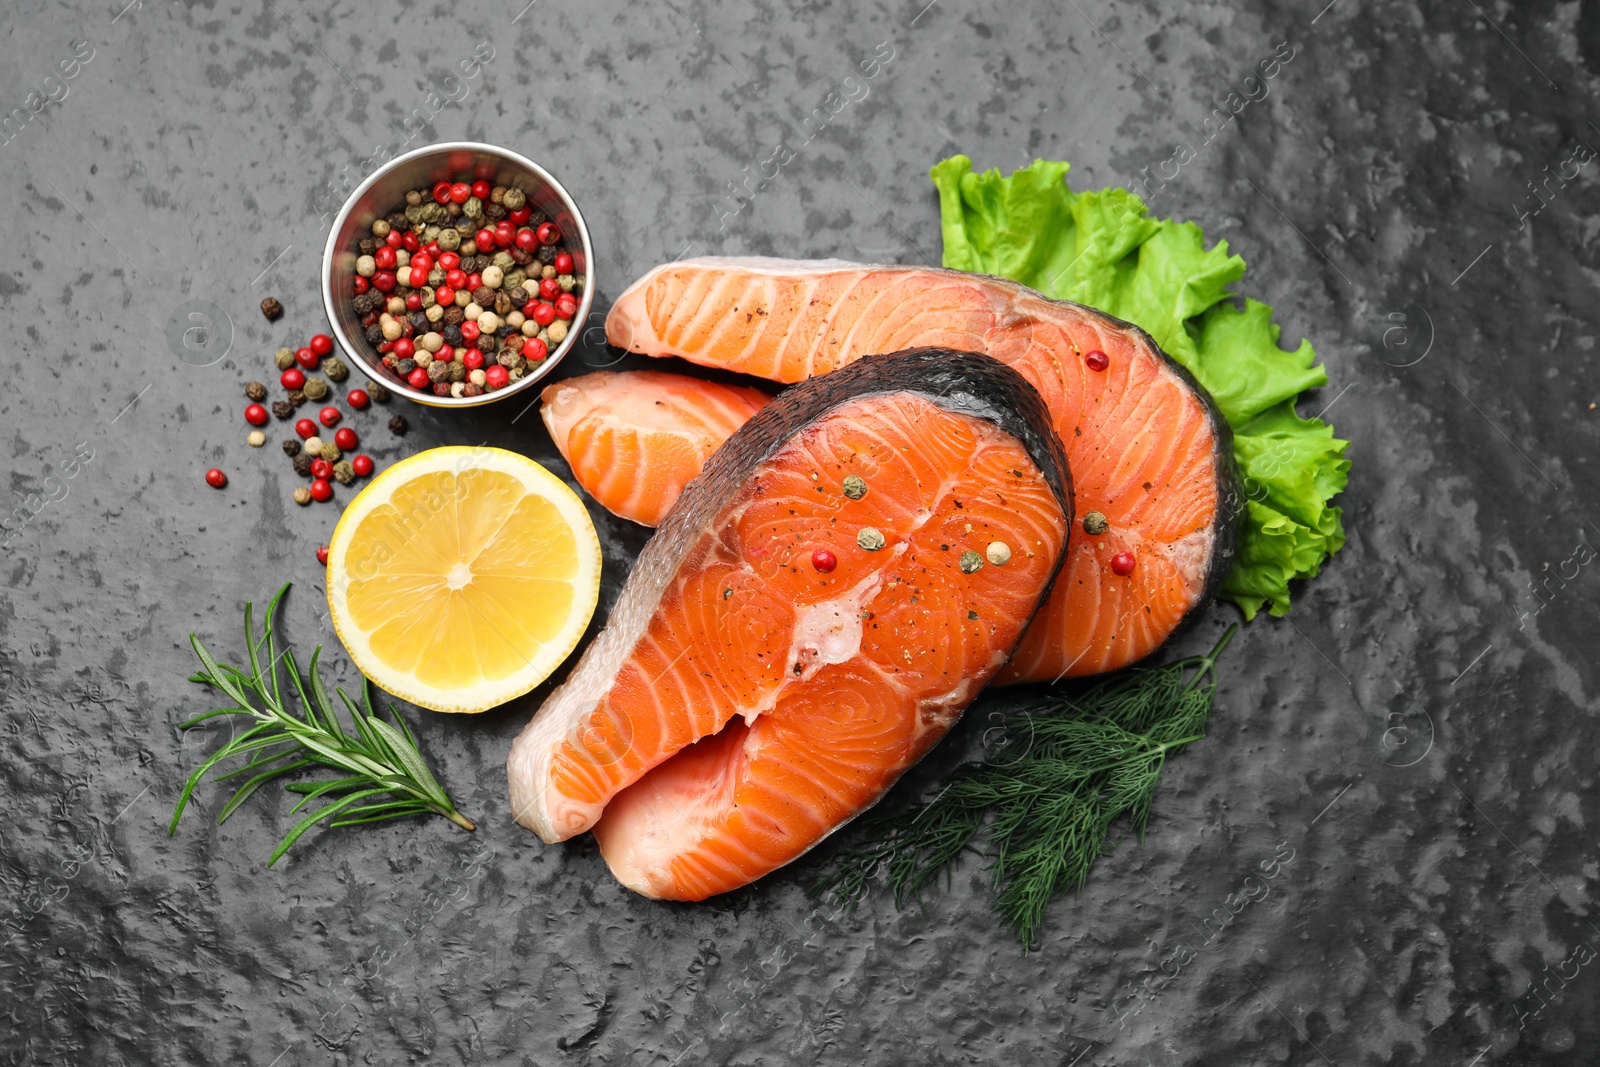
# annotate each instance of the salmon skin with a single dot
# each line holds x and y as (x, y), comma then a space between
(1148, 448)
(748, 696)
(635, 439)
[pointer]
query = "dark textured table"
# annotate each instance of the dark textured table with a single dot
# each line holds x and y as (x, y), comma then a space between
(1411, 752)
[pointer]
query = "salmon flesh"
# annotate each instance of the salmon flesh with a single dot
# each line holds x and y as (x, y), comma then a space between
(1149, 451)
(815, 612)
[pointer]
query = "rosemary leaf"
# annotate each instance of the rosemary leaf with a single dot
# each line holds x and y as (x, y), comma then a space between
(380, 764)
(1046, 798)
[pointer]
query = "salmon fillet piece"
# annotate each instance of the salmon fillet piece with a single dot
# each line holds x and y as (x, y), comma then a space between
(744, 701)
(1147, 448)
(634, 440)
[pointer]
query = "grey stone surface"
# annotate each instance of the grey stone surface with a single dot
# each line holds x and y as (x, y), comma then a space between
(1433, 883)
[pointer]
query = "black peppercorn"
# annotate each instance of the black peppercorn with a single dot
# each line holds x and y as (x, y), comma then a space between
(519, 296)
(483, 296)
(291, 447)
(521, 259)
(398, 425)
(377, 394)
(271, 308)
(302, 464)
(282, 409)
(454, 316)
(487, 343)
(374, 334)
(296, 398)
(255, 391)
(399, 221)
(451, 334)
(494, 211)
(505, 330)
(536, 218)
(419, 322)
(405, 367)
(366, 246)
(547, 253)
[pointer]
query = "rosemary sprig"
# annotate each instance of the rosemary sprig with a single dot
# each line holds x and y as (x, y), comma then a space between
(1048, 795)
(383, 774)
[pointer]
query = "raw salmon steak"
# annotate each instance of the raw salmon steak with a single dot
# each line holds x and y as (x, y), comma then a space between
(634, 440)
(1148, 449)
(815, 612)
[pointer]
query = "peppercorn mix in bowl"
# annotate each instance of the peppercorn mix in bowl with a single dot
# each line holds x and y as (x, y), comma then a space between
(458, 274)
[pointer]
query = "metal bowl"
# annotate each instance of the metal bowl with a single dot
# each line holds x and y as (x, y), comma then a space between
(421, 169)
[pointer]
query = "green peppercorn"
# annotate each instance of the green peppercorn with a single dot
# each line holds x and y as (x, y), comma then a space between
(315, 389)
(284, 358)
(970, 562)
(855, 486)
(870, 538)
(449, 241)
(1095, 523)
(377, 394)
(343, 473)
(334, 368)
(330, 451)
(380, 227)
(514, 198)
(473, 208)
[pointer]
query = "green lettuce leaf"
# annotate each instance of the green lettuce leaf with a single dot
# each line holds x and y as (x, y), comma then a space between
(1103, 249)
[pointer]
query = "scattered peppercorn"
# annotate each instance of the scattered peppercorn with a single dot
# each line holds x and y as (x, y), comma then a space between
(1096, 360)
(362, 465)
(256, 439)
(255, 415)
(358, 398)
(271, 308)
(330, 452)
(216, 479)
(398, 425)
(335, 369)
(315, 389)
(284, 359)
(313, 446)
(255, 391)
(824, 560)
(1095, 524)
(296, 398)
(306, 429)
(870, 538)
(321, 490)
(302, 464)
(322, 550)
(321, 468)
(343, 472)
(302, 496)
(329, 416)
(282, 409)
(855, 486)
(999, 553)
(970, 561)
(378, 393)
(291, 448)
(1122, 564)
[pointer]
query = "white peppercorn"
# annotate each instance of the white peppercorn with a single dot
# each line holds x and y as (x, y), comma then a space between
(488, 322)
(477, 377)
(493, 276)
(557, 331)
(516, 319)
(366, 266)
(313, 446)
(391, 329)
(471, 310)
(529, 328)
(302, 496)
(434, 312)
(256, 438)
(380, 227)
(430, 341)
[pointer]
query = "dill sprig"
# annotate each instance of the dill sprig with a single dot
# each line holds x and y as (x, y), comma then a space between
(383, 774)
(1048, 795)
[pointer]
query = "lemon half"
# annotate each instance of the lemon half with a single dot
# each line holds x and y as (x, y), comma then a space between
(460, 578)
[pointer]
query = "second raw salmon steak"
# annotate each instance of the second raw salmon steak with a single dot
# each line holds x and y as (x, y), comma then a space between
(815, 612)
